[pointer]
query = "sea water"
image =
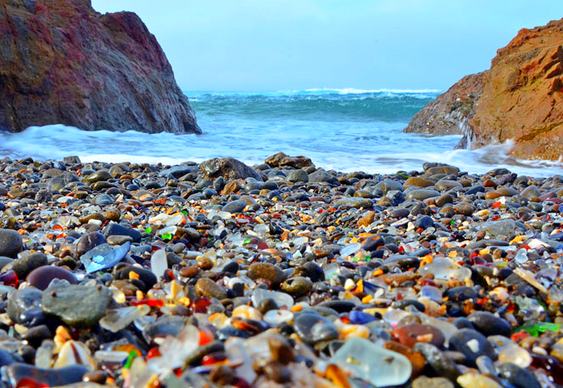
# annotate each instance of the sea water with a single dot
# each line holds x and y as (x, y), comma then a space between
(342, 129)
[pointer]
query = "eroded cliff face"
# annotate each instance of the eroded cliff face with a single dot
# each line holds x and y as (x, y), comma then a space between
(520, 98)
(61, 62)
(523, 96)
(450, 112)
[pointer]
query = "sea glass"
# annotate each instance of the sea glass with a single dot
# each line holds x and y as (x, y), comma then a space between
(278, 317)
(349, 250)
(104, 256)
(174, 350)
(541, 327)
(44, 354)
(514, 354)
(118, 319)
(74, 353)
(280, 298)
(364, 360)
(445, 269)
(521, 256)
(159, 263)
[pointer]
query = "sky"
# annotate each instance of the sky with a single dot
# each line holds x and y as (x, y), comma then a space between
(269, 45)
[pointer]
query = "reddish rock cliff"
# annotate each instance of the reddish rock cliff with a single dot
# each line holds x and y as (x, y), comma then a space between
(521, 98)
(449, 113)
(62, 62)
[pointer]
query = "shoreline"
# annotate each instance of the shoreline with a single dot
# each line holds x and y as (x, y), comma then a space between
(408, 153)
(278, 273)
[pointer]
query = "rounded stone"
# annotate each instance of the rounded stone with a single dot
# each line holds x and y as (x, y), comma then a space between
(208, 288)
(434, 382)
(313, 328)
(418, 182)
(88, 242)
(297, 286)
(41, 277)
(461, 293)
(24, 306)
(410, 334)
(266, 271)
(444, 199)
(98, 176)
(77, 305)
(24, 265)
(114, 229)
(298, 175)
(519, 377)
(236, 206)
(45, 377)
(438, 361)
(311, 270)
(472, 344)
(10, 243)
(422, 194)
(147, 277)
(424, 222)
(489, 324)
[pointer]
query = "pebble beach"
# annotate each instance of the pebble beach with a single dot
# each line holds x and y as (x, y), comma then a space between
(281, 274)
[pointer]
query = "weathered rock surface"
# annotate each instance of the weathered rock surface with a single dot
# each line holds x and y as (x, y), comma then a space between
(76, 305)
(228, 168)
(61, 62)
(520, 99)
(523, 96)
(450, 112)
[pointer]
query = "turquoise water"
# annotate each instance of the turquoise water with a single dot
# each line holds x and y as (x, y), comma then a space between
(342, 129)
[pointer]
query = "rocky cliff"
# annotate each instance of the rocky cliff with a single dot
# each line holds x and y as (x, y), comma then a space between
(449, 113)
(520, 98)
(62, 62)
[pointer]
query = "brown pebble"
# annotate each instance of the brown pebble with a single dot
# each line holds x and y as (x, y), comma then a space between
(112, 215)
(266, 271)
(207, 287)
(230, 188)
(189, 272)
(281, 351)
(205, 263)
(409, 335)
(366, 219)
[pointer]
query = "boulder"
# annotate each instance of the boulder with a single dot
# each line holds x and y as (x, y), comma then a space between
(61, 62)
(450, 112)
(228, 168)
(519, 99)
(283, 160)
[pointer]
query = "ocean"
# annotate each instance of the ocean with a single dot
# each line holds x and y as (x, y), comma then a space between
(341, 129)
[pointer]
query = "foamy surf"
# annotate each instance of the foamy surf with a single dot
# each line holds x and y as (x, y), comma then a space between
(358, 153)
(341, 129)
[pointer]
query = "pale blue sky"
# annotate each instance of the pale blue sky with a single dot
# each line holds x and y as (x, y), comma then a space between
(297, 44)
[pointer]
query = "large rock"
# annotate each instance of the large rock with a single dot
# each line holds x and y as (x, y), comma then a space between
(450, 112)
(76, 305)
(520, 99)
(61, 62)
(523, 96)
(10, 243)
(283, 160)
(229, 168)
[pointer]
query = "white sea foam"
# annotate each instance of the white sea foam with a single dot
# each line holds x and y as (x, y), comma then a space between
(369, 91)
(320, 91)
(353, 149)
